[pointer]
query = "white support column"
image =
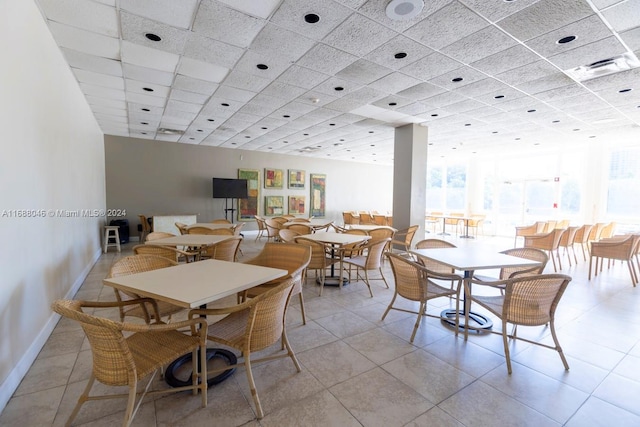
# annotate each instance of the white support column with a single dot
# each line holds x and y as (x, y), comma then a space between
(410, 177)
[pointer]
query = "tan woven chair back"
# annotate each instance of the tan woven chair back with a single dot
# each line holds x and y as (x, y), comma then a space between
(163, 251)
(526, 253)
(220, 221)
(531, 300)
(155, 235)
(301, 228)
(430, 264)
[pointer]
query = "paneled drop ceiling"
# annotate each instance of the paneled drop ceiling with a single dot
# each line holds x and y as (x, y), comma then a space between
(332, 78)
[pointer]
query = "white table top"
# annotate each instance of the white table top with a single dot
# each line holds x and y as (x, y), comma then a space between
(336, 238)
(210, 225)
(189, 240)
(315, 222)
(476, 257)
(197, 283)
(369, 227)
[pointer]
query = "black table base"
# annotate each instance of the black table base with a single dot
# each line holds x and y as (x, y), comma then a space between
(212, 353)
(333, 281)
(481, 322)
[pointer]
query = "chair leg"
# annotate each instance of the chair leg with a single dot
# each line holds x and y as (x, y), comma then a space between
(83, 398)
(131, 402)
(252, 385)
(417, 324)
(395, 294)
(557, 344)
(304, 317)
(383, 278)
(285, 341)
(505, 342)
(366, 280)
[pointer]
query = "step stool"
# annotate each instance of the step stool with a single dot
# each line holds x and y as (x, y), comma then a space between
(111, 232)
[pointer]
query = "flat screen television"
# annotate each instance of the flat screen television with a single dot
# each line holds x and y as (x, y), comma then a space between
(229, 188)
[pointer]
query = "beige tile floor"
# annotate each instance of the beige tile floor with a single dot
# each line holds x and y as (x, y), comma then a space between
(360, 371)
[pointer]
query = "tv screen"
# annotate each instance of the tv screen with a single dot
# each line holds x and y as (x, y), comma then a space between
(228, 188)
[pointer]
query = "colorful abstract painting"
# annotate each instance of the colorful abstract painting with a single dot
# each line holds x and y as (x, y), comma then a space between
(296, 204)
(273, 205)
(296, 178)
(318, 187)
(273, 178)
(249, 206)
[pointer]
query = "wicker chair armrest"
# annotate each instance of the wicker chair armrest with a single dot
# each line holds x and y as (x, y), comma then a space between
(220, 311)
(523, 272)
(173, 326)
(135, 301)
(500, 284)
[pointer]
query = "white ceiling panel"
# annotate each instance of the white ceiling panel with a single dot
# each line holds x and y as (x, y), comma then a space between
(223, 71)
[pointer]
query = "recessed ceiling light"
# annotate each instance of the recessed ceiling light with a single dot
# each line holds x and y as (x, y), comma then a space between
(144, 133)
(311, 18)
(467, 124)
(144, 123)
(495, 131)
(576, 130)
(337, 144)
(403, 10)
(349, 151)
(153, 37)
(262, 66)
(556, 121)
(210, 120)
(372, 145)
(567, 39)
(338, 88)
(285, 142)
(531, 111)
(431, 143)
(499, 96)
(328, 154)
(200, 130)
(305, 134)
(400, 55)
(434, 115)
(454, 148)
(457, 79)
(263, 128)
(342, 140)
(592, 136)
(148, 89)
(270, 148)
(193, 139)
(624, 90)
(508, 1)
(517, 139)
(247, 136)
(318, 146)
(332, 124)
(233, 143)
(286, 116)
(224, 104)
(370, 131)
(145, 109)
(393, 104)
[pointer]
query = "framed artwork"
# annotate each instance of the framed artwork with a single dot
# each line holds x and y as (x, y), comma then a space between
(318, 186)
(296, 179)
(273, 205)
(273, 178)
(296, 204)
(249, 207)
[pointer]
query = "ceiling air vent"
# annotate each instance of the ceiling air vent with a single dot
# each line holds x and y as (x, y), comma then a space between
(604, 67)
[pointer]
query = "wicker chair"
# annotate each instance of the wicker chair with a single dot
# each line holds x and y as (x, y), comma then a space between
(169, 252)
(566, 241)
(211, 231)
(287, 236)
(302, 220)
(607, 231)
(476, 222)
(528, 230)
(454, 219)
(527, 301)
(549, 242)
(225, 250)
(379, 219)
(624, 249)
(139, 264)
(182, 227)
(371, 260)
(349, 218)
(365, 218)
(404, 237)
(252, 326)
(145, 227)
(272, 229)
(416, 283)
(301, 228)
(320, 259)
(220, 221)
(123, 359)
(582, 238)
(430, 264)
(287, 256)
(262, 227)
(155, 235)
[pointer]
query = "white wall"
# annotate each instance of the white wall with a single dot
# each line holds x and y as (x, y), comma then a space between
(51, 157)
(153, 177)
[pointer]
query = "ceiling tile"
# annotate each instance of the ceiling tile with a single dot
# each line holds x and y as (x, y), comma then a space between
(202, 70)
(469, 75)
(543, 84)
(544, 16)
(632, 39)
(95, 63)
(281, 43)
(585, 55)
(376, 10)
(508, 59)
(147, 88)
(114, 103)
(136, 72)
(262, 9)
(527, 73)
(140, 98)
(363, 72)
(394, 82)
(326, 59)
(194, 85)
(191, 97)
(386, 54)
(208, 50)
(431, 66)
(446, 26)
(234, 94)
(616, 81)
(135, 28)
(302, 77)
(280, 90)
(98, 79)
(221, 23)
(250, 61)
(291, 15)
(102, 92)
(86, 15)
(494, 10)
(183, 106)
(85, 41)
(137, 108)
(359, 35)
(148, 58)
(479, 45)
(177, 13)
(421, 91)
(246, 81)
(624, 15)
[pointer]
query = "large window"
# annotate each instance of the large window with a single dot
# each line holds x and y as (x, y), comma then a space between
(446, 186)
(624, 181)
